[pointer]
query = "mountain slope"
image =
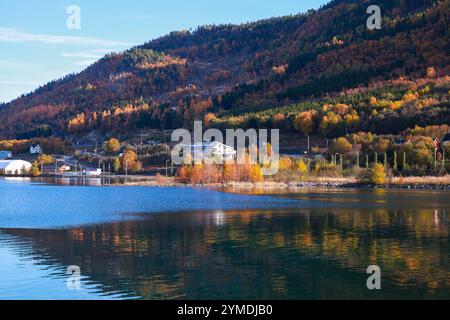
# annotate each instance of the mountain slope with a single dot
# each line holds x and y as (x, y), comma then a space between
(172, 80)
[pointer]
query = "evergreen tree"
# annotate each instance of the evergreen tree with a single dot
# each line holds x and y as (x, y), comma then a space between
(116, 165)
(395, 161)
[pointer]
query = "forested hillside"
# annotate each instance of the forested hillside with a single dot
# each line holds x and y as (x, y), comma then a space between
(324, 66)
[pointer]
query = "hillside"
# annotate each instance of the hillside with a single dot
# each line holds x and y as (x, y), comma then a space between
(168, 82)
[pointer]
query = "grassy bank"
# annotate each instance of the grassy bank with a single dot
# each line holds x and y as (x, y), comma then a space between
(425, 183)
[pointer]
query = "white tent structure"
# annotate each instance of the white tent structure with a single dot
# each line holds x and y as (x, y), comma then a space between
(14, 167)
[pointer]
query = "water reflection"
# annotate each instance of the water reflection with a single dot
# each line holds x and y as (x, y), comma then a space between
(271, 254)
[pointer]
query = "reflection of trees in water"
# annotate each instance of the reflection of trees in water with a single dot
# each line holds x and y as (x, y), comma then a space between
(306, 254)
(411, 246)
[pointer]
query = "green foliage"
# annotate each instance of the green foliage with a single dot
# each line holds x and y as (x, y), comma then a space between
(140, 56)
(395, 167)
(116, 165)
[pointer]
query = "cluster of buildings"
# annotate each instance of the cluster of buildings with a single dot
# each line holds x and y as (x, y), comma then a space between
(16, 167)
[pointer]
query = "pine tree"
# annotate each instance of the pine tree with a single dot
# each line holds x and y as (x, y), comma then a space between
(395, 161)
(116, 165)
(405, 165)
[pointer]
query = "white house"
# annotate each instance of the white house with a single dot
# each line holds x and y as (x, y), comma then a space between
(5, 155)
(14, 167)
(37, 149)
(212, 150)
(64, 168)
(93, 173)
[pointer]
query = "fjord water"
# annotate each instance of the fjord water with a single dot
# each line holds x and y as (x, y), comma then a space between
(183, 243)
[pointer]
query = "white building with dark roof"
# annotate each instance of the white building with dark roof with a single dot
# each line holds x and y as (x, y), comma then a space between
(212, 150)
(36, 149)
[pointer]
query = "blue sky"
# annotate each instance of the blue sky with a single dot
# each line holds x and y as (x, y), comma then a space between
(36, 46)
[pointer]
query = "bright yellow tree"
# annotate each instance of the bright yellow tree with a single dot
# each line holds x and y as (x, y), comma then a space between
(302, 168)
(112, 146)
(378, 174)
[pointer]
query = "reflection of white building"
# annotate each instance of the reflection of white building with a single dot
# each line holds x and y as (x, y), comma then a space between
(14, 167)
(212, 150)
(93, 173)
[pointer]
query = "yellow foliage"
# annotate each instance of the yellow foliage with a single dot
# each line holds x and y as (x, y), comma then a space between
(410, 96)
(378, 174)
(302, 168)
(46, 159)
(112, 145)
(256, 174)
(285, 163)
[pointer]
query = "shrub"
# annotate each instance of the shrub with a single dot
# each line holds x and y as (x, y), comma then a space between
(302, 168)
(378, 174)
(112, 146)
(342, 146)
(35, 172)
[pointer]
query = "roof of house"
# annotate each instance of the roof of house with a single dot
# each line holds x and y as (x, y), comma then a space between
(446, 138)
(209, 144)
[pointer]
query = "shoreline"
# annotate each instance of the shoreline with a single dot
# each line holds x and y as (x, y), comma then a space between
(395, 183)
(409, 183)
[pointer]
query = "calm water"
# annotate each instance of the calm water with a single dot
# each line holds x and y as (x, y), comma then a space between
(181, 243)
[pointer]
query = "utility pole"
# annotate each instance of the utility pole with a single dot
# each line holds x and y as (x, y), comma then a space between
(435, 158)
(443, 157)
(167, 169)
(309, 144)
(126, 168)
